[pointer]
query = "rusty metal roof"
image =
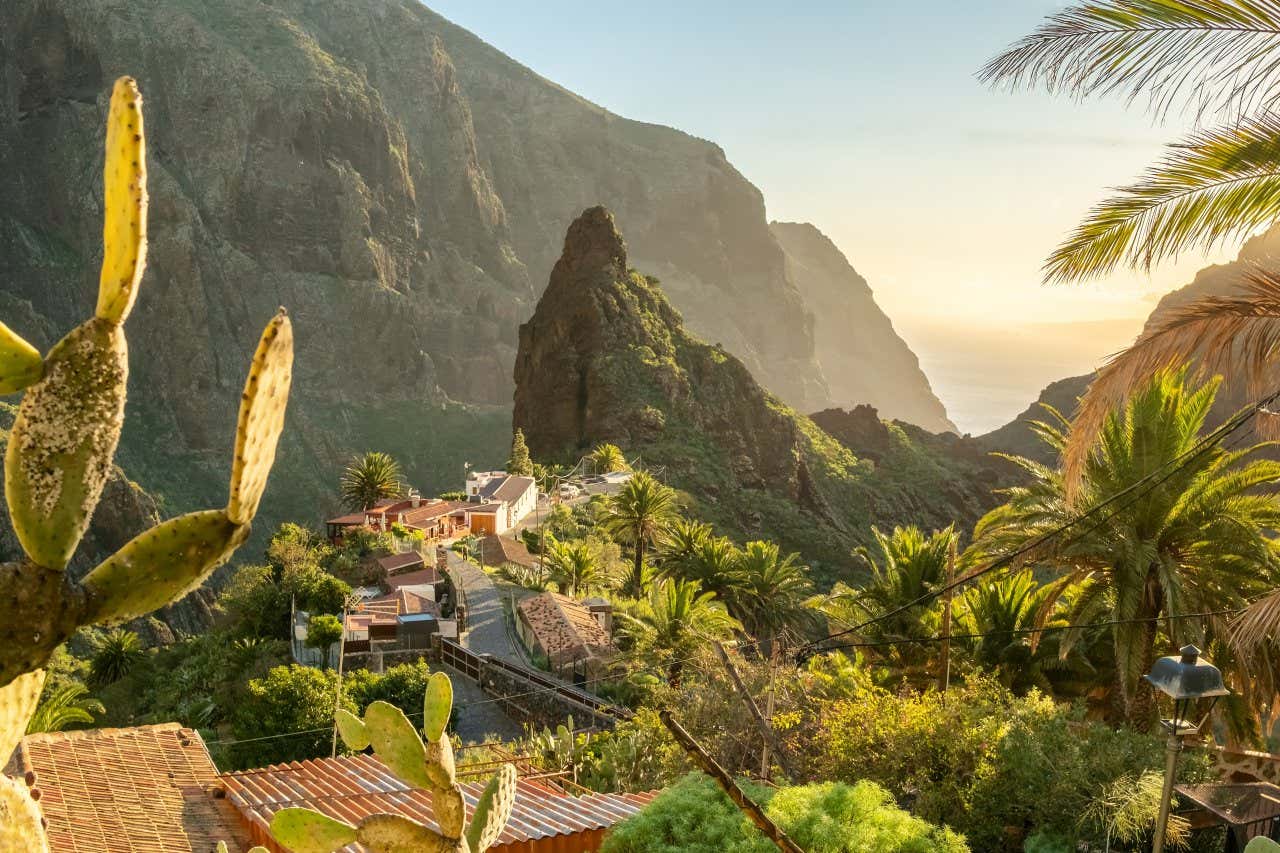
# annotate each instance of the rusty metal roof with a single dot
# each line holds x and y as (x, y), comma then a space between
(544, 820)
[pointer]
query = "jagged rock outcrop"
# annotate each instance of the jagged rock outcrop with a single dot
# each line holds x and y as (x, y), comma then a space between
(606, 357)
(862, 356)
(398, 184)
(859, 429)
(1017, 436)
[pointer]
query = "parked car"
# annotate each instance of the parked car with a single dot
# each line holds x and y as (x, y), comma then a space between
(569, 490)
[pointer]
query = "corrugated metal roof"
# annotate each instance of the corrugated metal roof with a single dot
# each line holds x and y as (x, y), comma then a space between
(354, 787)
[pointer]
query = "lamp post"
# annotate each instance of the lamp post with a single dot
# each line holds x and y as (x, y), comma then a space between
(1185, 679)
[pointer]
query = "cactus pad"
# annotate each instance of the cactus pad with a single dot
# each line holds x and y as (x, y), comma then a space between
(493, 809)
(266, 392)
(62, 442)
(440, 764)
(388, 833)
(396, 742)
(306, 831)
(21, 824)
(437, 706)
(353, 730)
(18, 700)
(20, 362)
(161, 565)
(124, 219)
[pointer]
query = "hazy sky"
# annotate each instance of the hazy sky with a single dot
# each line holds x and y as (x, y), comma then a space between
(866, 120)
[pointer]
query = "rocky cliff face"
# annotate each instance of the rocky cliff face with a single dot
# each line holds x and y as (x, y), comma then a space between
(398, 184)
(606, 357)
(863, 358)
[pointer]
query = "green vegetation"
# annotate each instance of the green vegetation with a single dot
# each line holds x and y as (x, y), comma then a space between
(637, 515)
(323, 631)
(114, 654)
(695, 815)
(64, 707)
(607, 458)
(369, 479)
(519, 464)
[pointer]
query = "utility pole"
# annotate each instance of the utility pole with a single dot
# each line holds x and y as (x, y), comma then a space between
(351, 601)
(762, 722)
(944, 663)
(739, 797)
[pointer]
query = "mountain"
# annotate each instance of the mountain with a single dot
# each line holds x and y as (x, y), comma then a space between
(864, 359)
(1019, 438)
(395, 182)
(606, 358)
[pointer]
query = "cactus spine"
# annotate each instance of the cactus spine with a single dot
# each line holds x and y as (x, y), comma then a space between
(428, 765)
(60, 453)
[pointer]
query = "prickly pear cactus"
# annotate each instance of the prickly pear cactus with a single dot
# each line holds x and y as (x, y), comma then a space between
(426, 765)
(1262, 845)
(64, 438)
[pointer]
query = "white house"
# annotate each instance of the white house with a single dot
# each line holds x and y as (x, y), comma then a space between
(517, 497)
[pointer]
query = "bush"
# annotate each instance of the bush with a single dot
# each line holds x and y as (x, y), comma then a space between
(990, 764)
(695, 815)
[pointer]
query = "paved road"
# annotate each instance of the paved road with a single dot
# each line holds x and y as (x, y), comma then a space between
(486, 631)
(479, 718)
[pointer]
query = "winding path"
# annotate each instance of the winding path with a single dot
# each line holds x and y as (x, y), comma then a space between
(486, 627)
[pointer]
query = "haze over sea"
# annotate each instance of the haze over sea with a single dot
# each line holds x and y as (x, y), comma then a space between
(988, 376)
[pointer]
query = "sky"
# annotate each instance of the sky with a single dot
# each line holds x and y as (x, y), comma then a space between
(866, 119)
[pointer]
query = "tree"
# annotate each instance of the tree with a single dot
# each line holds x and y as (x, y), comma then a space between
(294, 700)
(1217, 185)
(369, 479)
(770, 592)
(908, 566)
(678, 620)
(114, 655)
(637, 515)
(573, 566)
(322, 632)
(519, 465)
(607, 458)
(62, 707)
(1196, 542)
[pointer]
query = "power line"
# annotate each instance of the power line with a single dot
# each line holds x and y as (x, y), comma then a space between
(1178, 462)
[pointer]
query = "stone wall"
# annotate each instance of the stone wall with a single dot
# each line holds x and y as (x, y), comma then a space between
(541, 709)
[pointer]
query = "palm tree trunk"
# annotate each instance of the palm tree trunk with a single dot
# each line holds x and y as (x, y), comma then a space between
(637, 569)
(1140, 699)
(674, 671)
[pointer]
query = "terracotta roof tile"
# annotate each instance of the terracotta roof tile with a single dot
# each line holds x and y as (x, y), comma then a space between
(149, 789)
(563, 627)
(354, 787)
(428, 575)
(393, 563)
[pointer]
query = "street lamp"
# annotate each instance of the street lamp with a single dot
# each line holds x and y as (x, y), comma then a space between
(1185, 679)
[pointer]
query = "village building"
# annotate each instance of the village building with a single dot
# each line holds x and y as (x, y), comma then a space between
(434, 518)
(156, 789)
(575, 637)
(506, 551)
(518, 495)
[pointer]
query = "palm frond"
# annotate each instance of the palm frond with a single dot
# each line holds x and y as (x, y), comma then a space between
(1237, 333)
(1257, 627)
(1213, 186)
(1206, 55)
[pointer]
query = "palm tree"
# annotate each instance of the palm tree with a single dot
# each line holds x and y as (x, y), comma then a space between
(114, 656)
(369, 479)
(1005, 613)
(573, 566)
(1195, 542)
(607, 458)
(678, 620)
(1214, 56)
(909, 566)
(713, 563)
(770, 592)
(62, 707)
(680, 541)
(637, 515)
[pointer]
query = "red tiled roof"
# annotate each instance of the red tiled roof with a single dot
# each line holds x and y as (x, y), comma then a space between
(428, 575)
(149, 789)
(350, 788)
(355, 518)
(486, 509)
(395, 562)
(563, 627)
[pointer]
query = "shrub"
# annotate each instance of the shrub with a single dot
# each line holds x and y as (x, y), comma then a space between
(990, 764)
(695, 815)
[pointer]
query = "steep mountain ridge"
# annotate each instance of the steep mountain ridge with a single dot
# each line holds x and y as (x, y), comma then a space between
(395, 182)
(864, 358)
(606, 358)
